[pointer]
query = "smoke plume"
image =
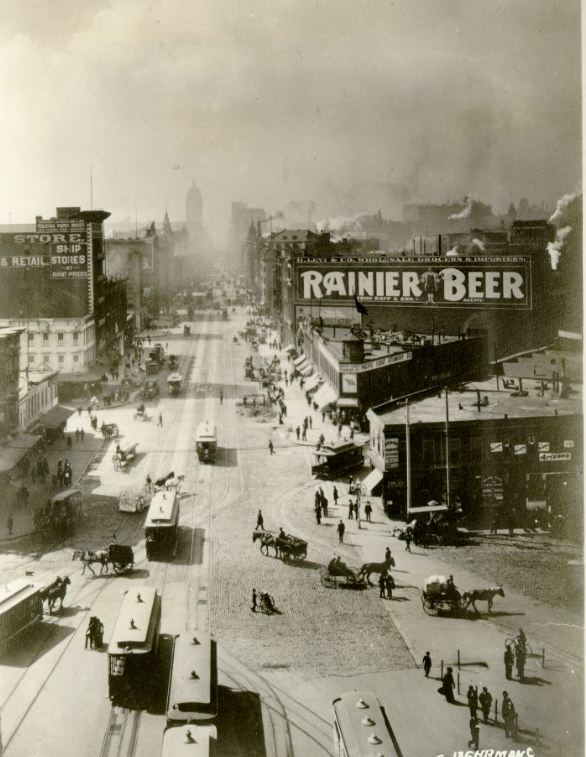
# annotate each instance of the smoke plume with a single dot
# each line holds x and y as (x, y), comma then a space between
(466, 210)
(566, 217)
(478, 243)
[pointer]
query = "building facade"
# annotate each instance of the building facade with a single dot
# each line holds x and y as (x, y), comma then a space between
(9, 380)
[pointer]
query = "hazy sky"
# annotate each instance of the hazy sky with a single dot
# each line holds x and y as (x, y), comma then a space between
(356, 103)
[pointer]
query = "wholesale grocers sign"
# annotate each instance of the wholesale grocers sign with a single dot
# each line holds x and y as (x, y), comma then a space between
(486, 282)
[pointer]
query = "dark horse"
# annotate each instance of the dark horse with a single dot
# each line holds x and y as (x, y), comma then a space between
(56, 592)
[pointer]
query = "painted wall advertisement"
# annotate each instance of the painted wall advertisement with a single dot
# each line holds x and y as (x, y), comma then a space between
(392, 453)
(498, 283)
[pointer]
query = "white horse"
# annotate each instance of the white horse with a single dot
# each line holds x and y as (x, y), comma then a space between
(89, 557)
(482, 595)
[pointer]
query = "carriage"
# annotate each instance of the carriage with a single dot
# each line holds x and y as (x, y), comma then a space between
(338, 575)
(122, 557)
(150, 389)
(59, 515)
(141, 414)
(286, 546)
(439, 595)
(124, 455)
(109, 430)
(119, 556)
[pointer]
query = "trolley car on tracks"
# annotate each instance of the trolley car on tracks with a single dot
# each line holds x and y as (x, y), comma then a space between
(21, 606)
(133, 646)
(193, 685)
(190, 741)
(361, 727)
(162, 524)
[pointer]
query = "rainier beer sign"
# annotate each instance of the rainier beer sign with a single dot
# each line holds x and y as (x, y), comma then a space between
(440, 282)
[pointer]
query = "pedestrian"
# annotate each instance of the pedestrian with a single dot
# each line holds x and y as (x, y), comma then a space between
(10, 524)
(318, 514)
(509, 715)
(390, 585)
(472, 697)
(260, 521)
(509, 659)
(350, 510)
(351, 433)
(324, 505)
(474, 732)
(341, 529)
(388, 555)
(408, 539)
(79, 410)
(221, 397)
(382, 582)
(520, 659)
(335, 495)
(323, 416)
(271, 447)
(485, 701)
(494, 525)
(253, 608)
(77, 434)
(304, 434)
(357, 509)
(82, 434)
(160, 422)
(90, 633)
(368, 510)
(310, 421)
(448, 685)
(427, 664)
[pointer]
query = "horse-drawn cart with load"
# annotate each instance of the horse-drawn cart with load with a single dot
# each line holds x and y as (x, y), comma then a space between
(124, 455)
(439, 595)
(286, 546)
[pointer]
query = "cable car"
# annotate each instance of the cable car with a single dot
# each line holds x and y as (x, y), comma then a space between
(206, 442)
(161, 524)
(133, 646)
(193, 686)
(21, 606)
(174, 383)
(361, 728)
(333, 460)
(190, 741)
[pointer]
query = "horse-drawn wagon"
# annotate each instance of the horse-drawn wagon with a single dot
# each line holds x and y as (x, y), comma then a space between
(338, 575)
(59, 515)
(439, 595)
(109, 430)
(286, 546)
(124, 455)
(141, 413)
(119, 556)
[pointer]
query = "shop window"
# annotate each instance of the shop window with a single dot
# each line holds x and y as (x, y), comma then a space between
(428, 451)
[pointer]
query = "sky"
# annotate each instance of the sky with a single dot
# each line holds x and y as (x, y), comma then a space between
(354, 105)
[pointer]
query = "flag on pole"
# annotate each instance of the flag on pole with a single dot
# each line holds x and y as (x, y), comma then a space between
(360, 307)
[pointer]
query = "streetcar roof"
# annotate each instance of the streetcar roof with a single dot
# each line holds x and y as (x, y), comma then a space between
(13, 593)
(175, 377)
(162, 510)
(189, 741)
(128, 448)
(136, 621)
(362, 724)
(193, 696)
(206, 431)
(66, 494)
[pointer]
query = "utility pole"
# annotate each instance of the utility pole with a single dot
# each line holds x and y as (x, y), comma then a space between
(447, 451)
(408, 455)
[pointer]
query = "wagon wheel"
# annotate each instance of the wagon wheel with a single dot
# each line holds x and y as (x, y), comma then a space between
(303, 554)
(120, 567)
(327, 580)
(429, 606)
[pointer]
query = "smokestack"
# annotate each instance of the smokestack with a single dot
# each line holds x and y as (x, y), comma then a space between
(439, 244)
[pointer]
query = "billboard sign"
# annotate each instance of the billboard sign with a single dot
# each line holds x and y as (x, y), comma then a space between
(487, 282)
(392, 453)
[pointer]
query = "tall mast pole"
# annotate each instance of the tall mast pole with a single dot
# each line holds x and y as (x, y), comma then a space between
(447, 451)
(408, 455)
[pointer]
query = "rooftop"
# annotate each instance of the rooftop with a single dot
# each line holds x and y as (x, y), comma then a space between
(496, 400)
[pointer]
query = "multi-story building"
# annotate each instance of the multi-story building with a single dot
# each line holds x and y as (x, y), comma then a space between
(53, 283)
(9, 380)
(126, 259)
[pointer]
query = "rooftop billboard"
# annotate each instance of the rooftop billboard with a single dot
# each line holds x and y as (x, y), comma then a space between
(45, 274)
(487, 282)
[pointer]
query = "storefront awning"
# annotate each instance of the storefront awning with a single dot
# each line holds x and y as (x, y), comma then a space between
(313, 382)
(347, 402)
(15, 450)
(55, 417)
(298, 360)
(324, 396)
(371, 482)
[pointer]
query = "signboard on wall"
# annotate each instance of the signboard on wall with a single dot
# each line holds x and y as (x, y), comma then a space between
(349, 383)
(554, 457)
(487, 282)
(391, 453)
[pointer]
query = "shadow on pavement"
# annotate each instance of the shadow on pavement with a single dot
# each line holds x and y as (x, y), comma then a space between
(309, 564)
(227, 457)
(34, 643)
(240, 726)
(190, 546)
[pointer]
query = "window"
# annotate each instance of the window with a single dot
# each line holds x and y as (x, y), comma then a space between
(61, 359)
(31, 359)
(76, 358)
(75, 337)
(45, 337)
(31, 337)
(60, 338)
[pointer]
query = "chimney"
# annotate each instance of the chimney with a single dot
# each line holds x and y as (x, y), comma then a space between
(439, 244)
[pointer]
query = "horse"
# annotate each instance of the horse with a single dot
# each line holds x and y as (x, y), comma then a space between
(267, 539)
(57, 592)
(161, 483)
(174, 483)
(375, 567)
(88, 557)
(482, 595)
